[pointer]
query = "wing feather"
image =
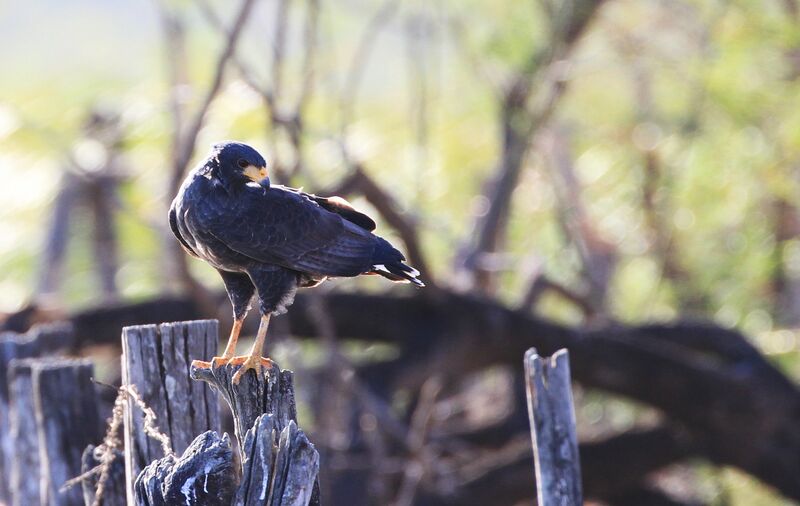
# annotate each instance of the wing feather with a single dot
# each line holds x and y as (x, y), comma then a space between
(290, 229)
(173, 224)
(343, 208)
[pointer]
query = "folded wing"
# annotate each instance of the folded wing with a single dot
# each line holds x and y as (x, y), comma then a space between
(288, 228)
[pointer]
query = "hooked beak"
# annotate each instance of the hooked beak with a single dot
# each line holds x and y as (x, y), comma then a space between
(257, 174)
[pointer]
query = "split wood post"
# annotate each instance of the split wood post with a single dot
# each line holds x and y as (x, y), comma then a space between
(155, 360)
(40, 340)
(273, 393)
(67, 420)
(279, 466)
(204, 475)
(552, 419)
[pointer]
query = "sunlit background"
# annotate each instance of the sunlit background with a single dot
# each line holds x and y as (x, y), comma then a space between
(662, 179)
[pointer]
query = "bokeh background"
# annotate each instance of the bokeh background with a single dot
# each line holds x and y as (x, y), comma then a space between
(595, 165)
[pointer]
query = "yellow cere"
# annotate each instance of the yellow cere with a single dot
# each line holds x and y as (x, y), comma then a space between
(257, 174)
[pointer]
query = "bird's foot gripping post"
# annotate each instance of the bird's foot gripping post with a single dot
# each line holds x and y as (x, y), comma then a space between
(279, 464)
(253, 360)
(243, 364)
(269, 390)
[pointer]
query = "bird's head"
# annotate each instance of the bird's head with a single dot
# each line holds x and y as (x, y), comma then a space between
(238, 163)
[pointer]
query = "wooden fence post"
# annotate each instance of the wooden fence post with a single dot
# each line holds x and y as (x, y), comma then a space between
(279, 464)
(272, 393)
(25, 468)
(155, 359)
(67, 420)
(40, 340)
(552, 418)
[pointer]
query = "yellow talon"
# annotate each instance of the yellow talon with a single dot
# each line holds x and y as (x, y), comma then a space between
(248, 362)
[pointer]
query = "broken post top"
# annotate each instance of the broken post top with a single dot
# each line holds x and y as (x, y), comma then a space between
(38, 341)
(552, 418)
(270, 392)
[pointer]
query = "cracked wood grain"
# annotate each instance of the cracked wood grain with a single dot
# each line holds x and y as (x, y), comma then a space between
(156, 360)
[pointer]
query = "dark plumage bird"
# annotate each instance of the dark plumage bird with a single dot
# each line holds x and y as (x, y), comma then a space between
(270, 239)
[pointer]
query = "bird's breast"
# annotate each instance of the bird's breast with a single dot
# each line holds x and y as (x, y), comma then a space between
(194, 208)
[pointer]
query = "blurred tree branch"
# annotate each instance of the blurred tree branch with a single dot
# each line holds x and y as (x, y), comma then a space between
(186, 125)
(634, 454)
(520, 118)
(183, 151)
(281, 119)
(655, 185)
(540, 283)
(358, 64)
(598, 256)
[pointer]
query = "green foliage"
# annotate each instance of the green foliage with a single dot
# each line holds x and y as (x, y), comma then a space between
(710, 89)
(714, 98)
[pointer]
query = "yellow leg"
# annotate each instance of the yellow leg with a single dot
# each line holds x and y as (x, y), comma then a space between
(253, 360)
(230, 349)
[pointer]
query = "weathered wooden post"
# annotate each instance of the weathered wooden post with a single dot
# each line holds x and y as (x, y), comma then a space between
(39, 341)
(552, 418)
(54, 417)
(279, 466)
(155, 360)
(273, 393)
(25, 469)
(67, 421)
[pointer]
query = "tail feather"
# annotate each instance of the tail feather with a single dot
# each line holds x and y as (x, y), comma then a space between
(388, 262)
(398, 272)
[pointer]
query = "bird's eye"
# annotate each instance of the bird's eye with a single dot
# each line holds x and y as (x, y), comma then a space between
(242, 163)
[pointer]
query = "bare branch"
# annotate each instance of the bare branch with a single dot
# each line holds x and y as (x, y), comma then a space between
(293, 123)
(185, 148)
(458, 34)
(520, 118)
(417, 28)
(175, 40)
(279, 46)
(289, 121)
(540, 284)
(598, 256)
(310, 35)
(419, 463)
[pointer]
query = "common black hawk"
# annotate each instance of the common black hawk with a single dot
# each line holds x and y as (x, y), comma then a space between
(270, 239)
